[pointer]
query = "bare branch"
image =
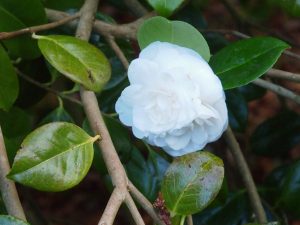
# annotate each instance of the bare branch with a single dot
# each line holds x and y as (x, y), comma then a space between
(133, 209)
(190, 220)
(33, 29)
(119, 53)
(277, 89)
(280, 74)
(143, 201)
(246, 175)
(8, 189)
(112, 207)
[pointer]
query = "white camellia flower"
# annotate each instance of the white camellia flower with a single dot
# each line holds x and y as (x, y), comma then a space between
(174, 101)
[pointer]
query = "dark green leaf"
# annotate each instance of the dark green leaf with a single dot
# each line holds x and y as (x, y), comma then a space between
(78, 60)
(15, 15)
(176, 32)
(2, 207)
(9, 85)
(276, 136)
(9, 220)
(54, 157)
(58, 115)
(235, 211)
(237, 110)
(286, 182)
(244, 61)
(252, 92)
(192, 182)
(165, 7)
(292, 7)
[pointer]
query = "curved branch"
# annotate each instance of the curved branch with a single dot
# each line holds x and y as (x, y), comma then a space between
(7, 187)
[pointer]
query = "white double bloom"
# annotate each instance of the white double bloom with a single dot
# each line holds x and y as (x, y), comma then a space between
(174, 100)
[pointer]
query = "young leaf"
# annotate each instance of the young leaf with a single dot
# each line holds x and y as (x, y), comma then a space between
(165, 7)
(76, 59)
(176, 32)
(9, 220)
(244, 61)
(54, 157)
(9, 85)
(192, 182)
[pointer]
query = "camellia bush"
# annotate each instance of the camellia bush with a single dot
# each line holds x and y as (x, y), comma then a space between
(157, 108)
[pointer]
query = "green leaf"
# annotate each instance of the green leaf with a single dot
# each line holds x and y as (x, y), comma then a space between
(76, 59)
(9, 85)
(292, 7)
(15, 15)
(58, 114)
(176, 32)
(9, 220)
(165, 7)
(286, 182)
(244, 61)
(237, 110)
(192, 182)
(276, 136)
(54, 157)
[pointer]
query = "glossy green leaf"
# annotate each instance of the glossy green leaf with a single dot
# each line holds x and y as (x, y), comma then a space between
(244, 61)
(9, 220)
(277, 135)
(286, 182)
(176, 32)
(192, 182)
(54, 157)
(237, 110)
(165, 7)
(76, 59)
(9, 85)
(15, 15)
(58, 115)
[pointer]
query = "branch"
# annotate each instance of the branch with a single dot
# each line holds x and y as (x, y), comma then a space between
(7, 187)
(190, 220)
(277, 89)
(246, 175)
(133, 209)
(45, 87)
(67, 19)
(118, 51)
(106, 29)
(112, 207)
(147, 206)
(280, 74)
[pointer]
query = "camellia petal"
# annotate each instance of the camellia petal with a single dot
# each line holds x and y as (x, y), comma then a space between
(174, 99)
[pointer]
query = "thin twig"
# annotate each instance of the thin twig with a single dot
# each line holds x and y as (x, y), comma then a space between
(106, 29)
(45, 87)
(189, 220)
(8, 189)
(143, 201)
(119, 53)
(33, 29)
(133, 210)
(246, 175)
(280, 74)
(277, 89)
(112, 207)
